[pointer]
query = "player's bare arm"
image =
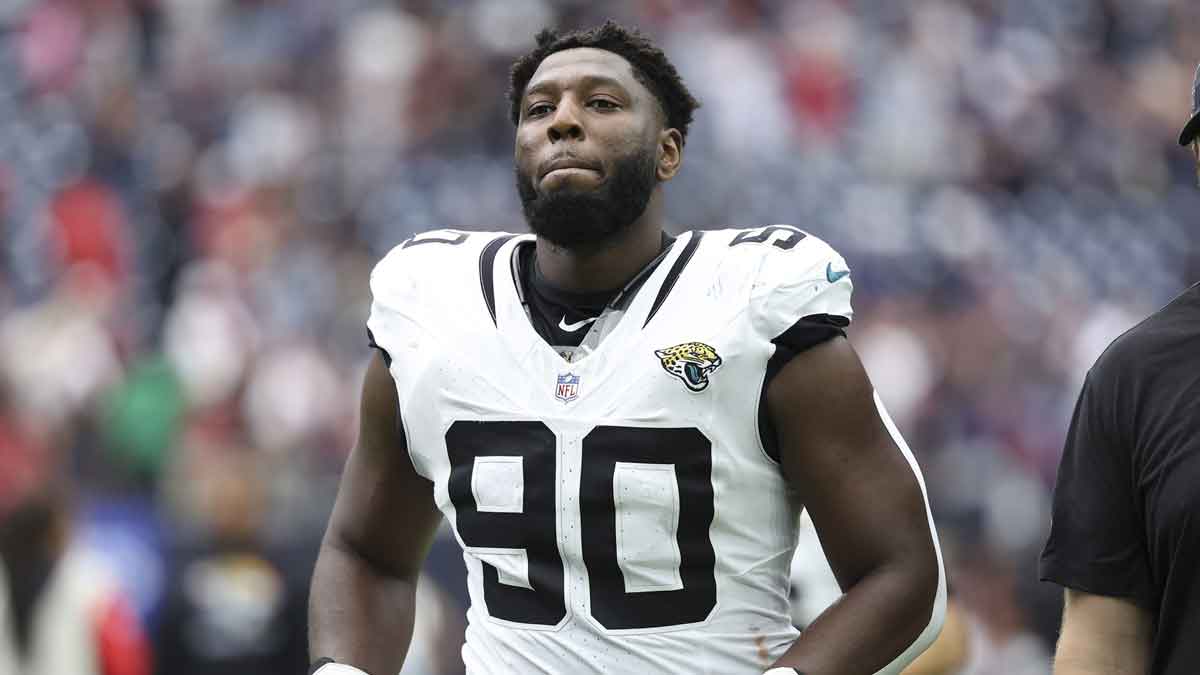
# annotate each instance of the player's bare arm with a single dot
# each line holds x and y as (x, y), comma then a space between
(1103, 635)
(949, 653)
(364, 586)
(869, 511)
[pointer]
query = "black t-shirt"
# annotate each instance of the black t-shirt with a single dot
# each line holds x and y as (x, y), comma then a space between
(1126, 520)
(233, 607)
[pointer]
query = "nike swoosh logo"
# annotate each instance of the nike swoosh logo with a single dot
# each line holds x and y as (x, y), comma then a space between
(572, 327)
(832, 276)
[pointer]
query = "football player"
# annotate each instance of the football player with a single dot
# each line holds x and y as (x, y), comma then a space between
(621, 427)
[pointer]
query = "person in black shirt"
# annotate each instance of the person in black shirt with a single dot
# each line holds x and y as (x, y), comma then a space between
(1125, 530)
(234, 600)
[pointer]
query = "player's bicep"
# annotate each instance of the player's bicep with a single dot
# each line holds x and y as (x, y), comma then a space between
(1102, 634)
(385, 512)
(837, 453)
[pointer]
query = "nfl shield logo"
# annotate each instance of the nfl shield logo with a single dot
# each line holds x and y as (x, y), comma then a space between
(568, 388)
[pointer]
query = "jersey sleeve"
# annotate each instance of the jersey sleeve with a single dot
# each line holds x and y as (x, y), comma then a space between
(802, 295)
(1096, 542)
(392, 294)
(800, 299)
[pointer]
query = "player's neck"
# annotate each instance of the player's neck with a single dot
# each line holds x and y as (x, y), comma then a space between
(609, 266)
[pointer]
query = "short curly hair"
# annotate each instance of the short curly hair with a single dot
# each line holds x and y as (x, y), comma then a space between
(650, 66)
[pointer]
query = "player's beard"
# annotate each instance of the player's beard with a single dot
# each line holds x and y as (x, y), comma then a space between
(588, 219)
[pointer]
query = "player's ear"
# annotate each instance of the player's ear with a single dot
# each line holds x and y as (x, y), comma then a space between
(670, 154)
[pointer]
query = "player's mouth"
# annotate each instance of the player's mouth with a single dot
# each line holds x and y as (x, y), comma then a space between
(568, 164)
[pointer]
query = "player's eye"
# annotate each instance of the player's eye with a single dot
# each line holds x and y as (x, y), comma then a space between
(603, 104)
(538, 109)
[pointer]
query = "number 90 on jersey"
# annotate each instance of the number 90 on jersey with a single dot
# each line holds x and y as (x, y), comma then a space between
(633, 480)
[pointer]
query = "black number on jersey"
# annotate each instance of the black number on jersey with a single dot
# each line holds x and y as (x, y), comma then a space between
(760, 235)
(535, 528)
(692, 454)
(459, 237)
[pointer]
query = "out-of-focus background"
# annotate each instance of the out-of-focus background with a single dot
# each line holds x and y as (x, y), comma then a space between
(193, 193)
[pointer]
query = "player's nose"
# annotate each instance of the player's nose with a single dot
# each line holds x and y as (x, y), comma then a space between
(566, 124)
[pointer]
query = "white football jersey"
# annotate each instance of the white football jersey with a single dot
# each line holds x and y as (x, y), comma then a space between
(618, 513)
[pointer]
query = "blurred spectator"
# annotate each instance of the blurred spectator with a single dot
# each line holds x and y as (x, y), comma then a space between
(231, 605)
(61, 611)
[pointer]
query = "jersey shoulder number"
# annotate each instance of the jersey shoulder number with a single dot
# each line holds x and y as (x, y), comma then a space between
(435, 258)
(423, 276)
(783, 237)
(798, 275)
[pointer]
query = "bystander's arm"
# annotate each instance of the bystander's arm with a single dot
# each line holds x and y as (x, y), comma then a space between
(1103, 636)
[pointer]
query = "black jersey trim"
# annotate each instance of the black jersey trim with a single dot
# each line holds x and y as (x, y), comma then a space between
(487, 259)
(673, 274)
(626, 295)
(387, 358)
(316, 665)
(805, 334)
(812, 330)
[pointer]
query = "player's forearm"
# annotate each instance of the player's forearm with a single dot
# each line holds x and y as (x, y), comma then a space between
(893, 612)
(358, 614)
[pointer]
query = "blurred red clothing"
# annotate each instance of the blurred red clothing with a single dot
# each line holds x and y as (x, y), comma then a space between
(122, 647)
(82, 625)
(24, 466)
(91, 228)
(818, 92)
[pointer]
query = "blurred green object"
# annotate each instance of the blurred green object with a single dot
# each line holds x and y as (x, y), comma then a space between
(142, 415)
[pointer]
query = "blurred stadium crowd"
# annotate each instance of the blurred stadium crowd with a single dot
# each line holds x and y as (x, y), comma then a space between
(193, 193)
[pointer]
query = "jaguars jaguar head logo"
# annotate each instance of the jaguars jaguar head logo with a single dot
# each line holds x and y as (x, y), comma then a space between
(691, 362)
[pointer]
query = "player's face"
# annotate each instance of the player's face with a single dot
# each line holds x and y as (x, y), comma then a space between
(586, 150)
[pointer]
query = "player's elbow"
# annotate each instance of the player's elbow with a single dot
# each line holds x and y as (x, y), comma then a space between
(929, 604)
(932, 585)
(934, 615)
(934, 619)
